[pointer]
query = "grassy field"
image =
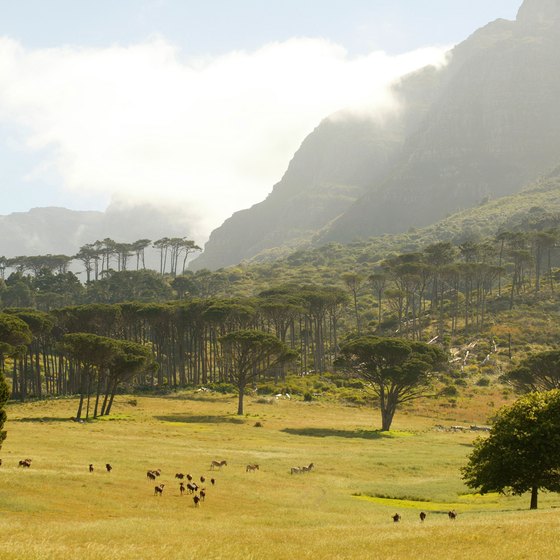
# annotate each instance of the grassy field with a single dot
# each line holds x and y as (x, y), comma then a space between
(342, 509)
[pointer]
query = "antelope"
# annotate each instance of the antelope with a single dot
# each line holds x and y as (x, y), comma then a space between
(213, 481)
(396, 518)
(295, 470)
(151, 475)
(158, 490)
(422, 516)
(196, 499)
(91, 468)
(26, 463)
(252, 468)
(452, 515)
(218, 464)
(108, 467)
(181, 488)
(179, 475)
(308, 468)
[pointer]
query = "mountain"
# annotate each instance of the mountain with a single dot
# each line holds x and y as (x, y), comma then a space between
(478, 128)
(60, 231)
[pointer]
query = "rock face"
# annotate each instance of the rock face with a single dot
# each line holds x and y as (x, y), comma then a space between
(482, 126)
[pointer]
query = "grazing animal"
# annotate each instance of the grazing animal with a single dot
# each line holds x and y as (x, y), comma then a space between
(196, 499)
(179, 475)
(91, 468)
(308, 468)
(422, 516)
(189, 477)
(218, 464)
(295, 470)
(202, 494)
(25, 463)
(202, 479)
(181, 488)
(158, 490)
(157, 472)
(396, 518)
(252, 468)
(151, 475)
(192, 487)
(213, 481)
(108, 467)
(452, 515)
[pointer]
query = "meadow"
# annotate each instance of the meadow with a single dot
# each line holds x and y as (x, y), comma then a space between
(57, 509)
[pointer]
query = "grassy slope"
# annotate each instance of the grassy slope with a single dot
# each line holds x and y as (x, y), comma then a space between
(58, 510)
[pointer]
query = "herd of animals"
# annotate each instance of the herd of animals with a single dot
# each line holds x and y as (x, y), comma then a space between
(199, 493)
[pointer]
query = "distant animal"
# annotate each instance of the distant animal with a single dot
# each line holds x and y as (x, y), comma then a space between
(151, 475)
(308, 468)
(192, 487)
(181, 488)
(179, 475)
(189, 477)
(295, 470)
(396, 518)
(108, 467)
(91, 468)
(157, 472)
(213, 481)
(25, 463)
(202, 494)
(202, 479)
(196, 500)
(158, 490)
(218, 464)
(252, 468)
(452, 515)
(422, 516)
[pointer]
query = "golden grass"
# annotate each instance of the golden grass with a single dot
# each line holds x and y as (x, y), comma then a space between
(342, 509)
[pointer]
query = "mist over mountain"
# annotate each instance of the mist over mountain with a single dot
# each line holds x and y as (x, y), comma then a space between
(60, 231)
(478, 128)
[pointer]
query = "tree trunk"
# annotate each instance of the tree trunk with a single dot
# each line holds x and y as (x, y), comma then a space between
(240, 401)
(534, 497)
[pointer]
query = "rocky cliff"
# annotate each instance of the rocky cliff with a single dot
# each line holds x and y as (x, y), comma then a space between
(478, 128)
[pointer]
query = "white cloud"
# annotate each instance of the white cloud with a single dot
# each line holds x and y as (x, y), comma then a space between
(212, 135)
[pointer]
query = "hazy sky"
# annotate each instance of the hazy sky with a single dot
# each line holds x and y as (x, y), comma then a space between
(195, 103)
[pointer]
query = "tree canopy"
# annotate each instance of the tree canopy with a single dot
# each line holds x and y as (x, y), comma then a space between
(250, 352)
(538, 372)
(398, 370)
(522, 452)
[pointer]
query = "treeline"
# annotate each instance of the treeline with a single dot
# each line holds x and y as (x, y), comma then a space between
(182, 338)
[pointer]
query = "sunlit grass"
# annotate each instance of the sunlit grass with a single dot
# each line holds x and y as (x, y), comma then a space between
(342, 509)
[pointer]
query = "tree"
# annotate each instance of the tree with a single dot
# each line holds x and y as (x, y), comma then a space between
(522, 452)
(249, 353)
(398, 370)
(14, 333)
(538, 372)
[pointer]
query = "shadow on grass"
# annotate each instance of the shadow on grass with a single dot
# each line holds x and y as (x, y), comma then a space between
(327, 432)
(186, 419)
(43, 419)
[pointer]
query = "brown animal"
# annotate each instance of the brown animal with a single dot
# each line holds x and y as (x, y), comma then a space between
(203, 494)
(252, 468)
(181, 488)
(179, 475)
(452, 515)
(213, 481)
(158, 490)
(91, 468)
(189, 477)
(218, 464)
(202, 479)
(396, 518)
(308, 468)
(422, 516)
(157, 472)
(192, 487)
(151, 475)
(108, 467)
(196, 500)
(25, 463)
